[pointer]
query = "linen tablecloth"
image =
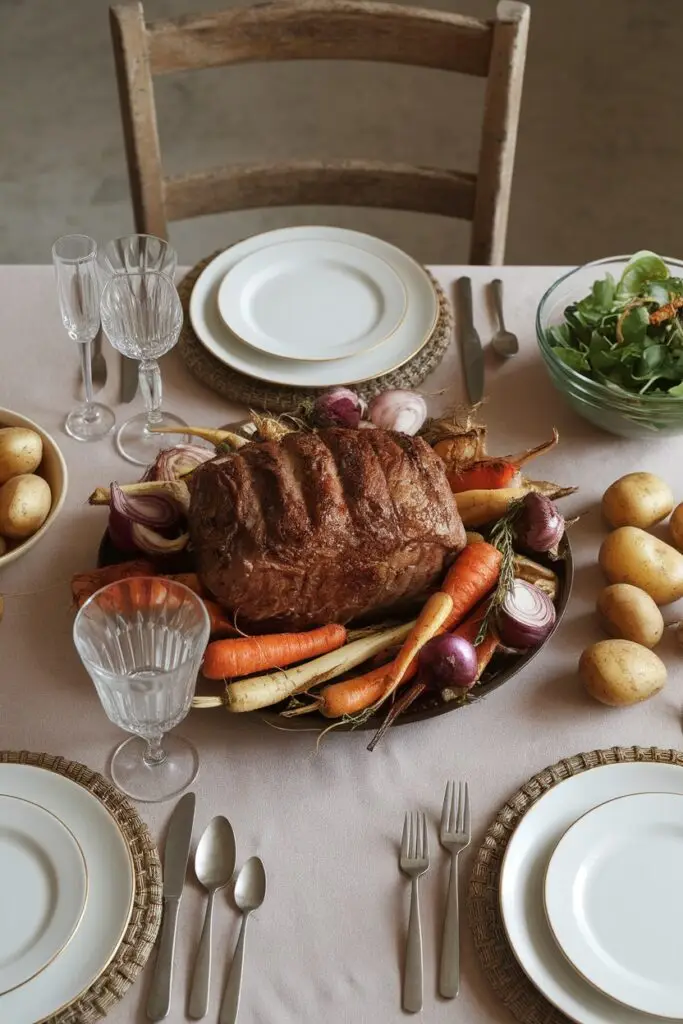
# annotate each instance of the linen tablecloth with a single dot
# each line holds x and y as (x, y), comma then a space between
(327, 944)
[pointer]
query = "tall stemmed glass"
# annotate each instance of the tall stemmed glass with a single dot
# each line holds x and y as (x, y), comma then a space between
(75, 262)
(142, 315)
(142, 641)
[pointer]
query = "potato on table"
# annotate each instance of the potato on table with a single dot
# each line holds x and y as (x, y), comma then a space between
(637, 499)
(621, 673)
(629, 613)
(630, 555)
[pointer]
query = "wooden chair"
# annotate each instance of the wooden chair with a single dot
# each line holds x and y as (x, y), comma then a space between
(333, 30)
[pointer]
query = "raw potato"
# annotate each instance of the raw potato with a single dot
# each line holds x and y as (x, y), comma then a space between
(637, 499)
(621, 673)
(25, 503)
(628, 612)
(630, 555)
(21, 451)
(676, 526)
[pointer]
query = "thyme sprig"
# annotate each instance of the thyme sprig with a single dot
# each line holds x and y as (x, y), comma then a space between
(502, 536)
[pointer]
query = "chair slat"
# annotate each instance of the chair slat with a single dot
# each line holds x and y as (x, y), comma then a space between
(321, 183)
(322, 30)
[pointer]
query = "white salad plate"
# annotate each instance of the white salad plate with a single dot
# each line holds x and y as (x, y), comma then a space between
(522, 883)
(43, 889)
(614, 900)
(312, 300)
(422, 308)
(111, 890)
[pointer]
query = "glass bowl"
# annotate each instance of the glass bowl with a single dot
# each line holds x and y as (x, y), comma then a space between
(606, 406)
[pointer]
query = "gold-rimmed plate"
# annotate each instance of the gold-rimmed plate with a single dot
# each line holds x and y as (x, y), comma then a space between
(312, 300)
(110, 895)
(43, 889)
(409, 337)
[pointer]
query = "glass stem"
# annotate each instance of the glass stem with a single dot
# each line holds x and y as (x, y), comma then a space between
(150, 385)
(154, 755)
(86, 369)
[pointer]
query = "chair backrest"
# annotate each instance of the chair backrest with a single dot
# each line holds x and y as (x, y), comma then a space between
(334, 30)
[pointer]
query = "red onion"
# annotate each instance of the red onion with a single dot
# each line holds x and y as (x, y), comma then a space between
(539, 526)
(154, 543)
(526, 616)
(404, 411)
(136, 522)
(447, 662)
(174, 463)
(339, 407)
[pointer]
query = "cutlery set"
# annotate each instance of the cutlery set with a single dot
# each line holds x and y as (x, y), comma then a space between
(214, 867)
(504, 343)
(454, 835)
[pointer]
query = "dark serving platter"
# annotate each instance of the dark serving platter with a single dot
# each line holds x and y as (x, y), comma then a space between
(501, 669)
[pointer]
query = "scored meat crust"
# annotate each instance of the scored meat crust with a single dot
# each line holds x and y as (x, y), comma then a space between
(333, 526)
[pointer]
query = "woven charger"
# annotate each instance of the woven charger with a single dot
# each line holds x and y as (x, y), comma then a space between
(500, 966)
(258, 394)
(132, 954)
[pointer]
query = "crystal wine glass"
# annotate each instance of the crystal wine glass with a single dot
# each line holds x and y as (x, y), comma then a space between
(142, 641)
(75, 262)
(142, 315)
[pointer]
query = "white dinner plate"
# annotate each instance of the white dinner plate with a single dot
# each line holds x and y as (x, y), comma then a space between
(43, 888)
(111, 890)
(614, 900)
(409, 337)
(312, 300)
(523, 875)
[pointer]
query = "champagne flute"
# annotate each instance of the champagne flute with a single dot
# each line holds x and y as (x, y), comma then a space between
(75, 262)
(142, 641)
(142, 315)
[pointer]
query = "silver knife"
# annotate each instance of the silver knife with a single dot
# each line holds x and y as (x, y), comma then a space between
(470, 343)
(176, 853)
(129, 379)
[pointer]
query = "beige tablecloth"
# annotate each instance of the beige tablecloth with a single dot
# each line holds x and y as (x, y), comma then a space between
(326, 945)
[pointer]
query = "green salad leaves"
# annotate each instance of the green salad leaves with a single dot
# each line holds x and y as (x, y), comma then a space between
(627, 334)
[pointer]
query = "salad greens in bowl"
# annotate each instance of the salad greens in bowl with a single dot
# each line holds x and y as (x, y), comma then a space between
(611, 335)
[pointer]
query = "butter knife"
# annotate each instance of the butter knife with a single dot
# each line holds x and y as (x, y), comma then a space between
(176, 853)
(129, 379)
(470, 343)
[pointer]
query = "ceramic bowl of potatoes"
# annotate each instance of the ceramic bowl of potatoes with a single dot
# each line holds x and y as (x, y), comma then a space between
(33, 483)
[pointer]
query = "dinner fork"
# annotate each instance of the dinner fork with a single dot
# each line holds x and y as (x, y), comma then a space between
(455, 836)
(414, 861)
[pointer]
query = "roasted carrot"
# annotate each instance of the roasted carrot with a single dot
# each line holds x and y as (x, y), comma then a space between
(226, 659)
(85, 584)
(188, 579)
(473, 574)
(221, 624)
(429, 622)
(469, 630)
(486, 475)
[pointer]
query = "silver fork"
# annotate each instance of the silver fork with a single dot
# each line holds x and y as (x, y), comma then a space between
(455, 836)
(414, 861)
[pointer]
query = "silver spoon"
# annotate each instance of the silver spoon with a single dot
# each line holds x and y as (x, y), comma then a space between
(214, 864)
(504, 343)
(250, 892)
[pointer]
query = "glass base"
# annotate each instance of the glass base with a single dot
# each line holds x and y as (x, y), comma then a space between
(90, 423)
(152, 784)
(135, 443)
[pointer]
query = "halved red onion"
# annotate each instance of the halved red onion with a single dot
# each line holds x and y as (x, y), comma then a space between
(157, 511)
(174, 463)
(526, 616)
(154, 543)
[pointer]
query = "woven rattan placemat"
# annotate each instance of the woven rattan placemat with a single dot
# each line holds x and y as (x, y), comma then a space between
(257, 394)
(132, 954)
(508, 979)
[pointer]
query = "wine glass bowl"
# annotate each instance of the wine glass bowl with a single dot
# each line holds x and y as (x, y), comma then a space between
(142, 641)
(142, 316)
(134, 253)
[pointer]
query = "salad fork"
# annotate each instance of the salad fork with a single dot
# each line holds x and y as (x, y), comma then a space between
(455, 836)
(414, 861)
